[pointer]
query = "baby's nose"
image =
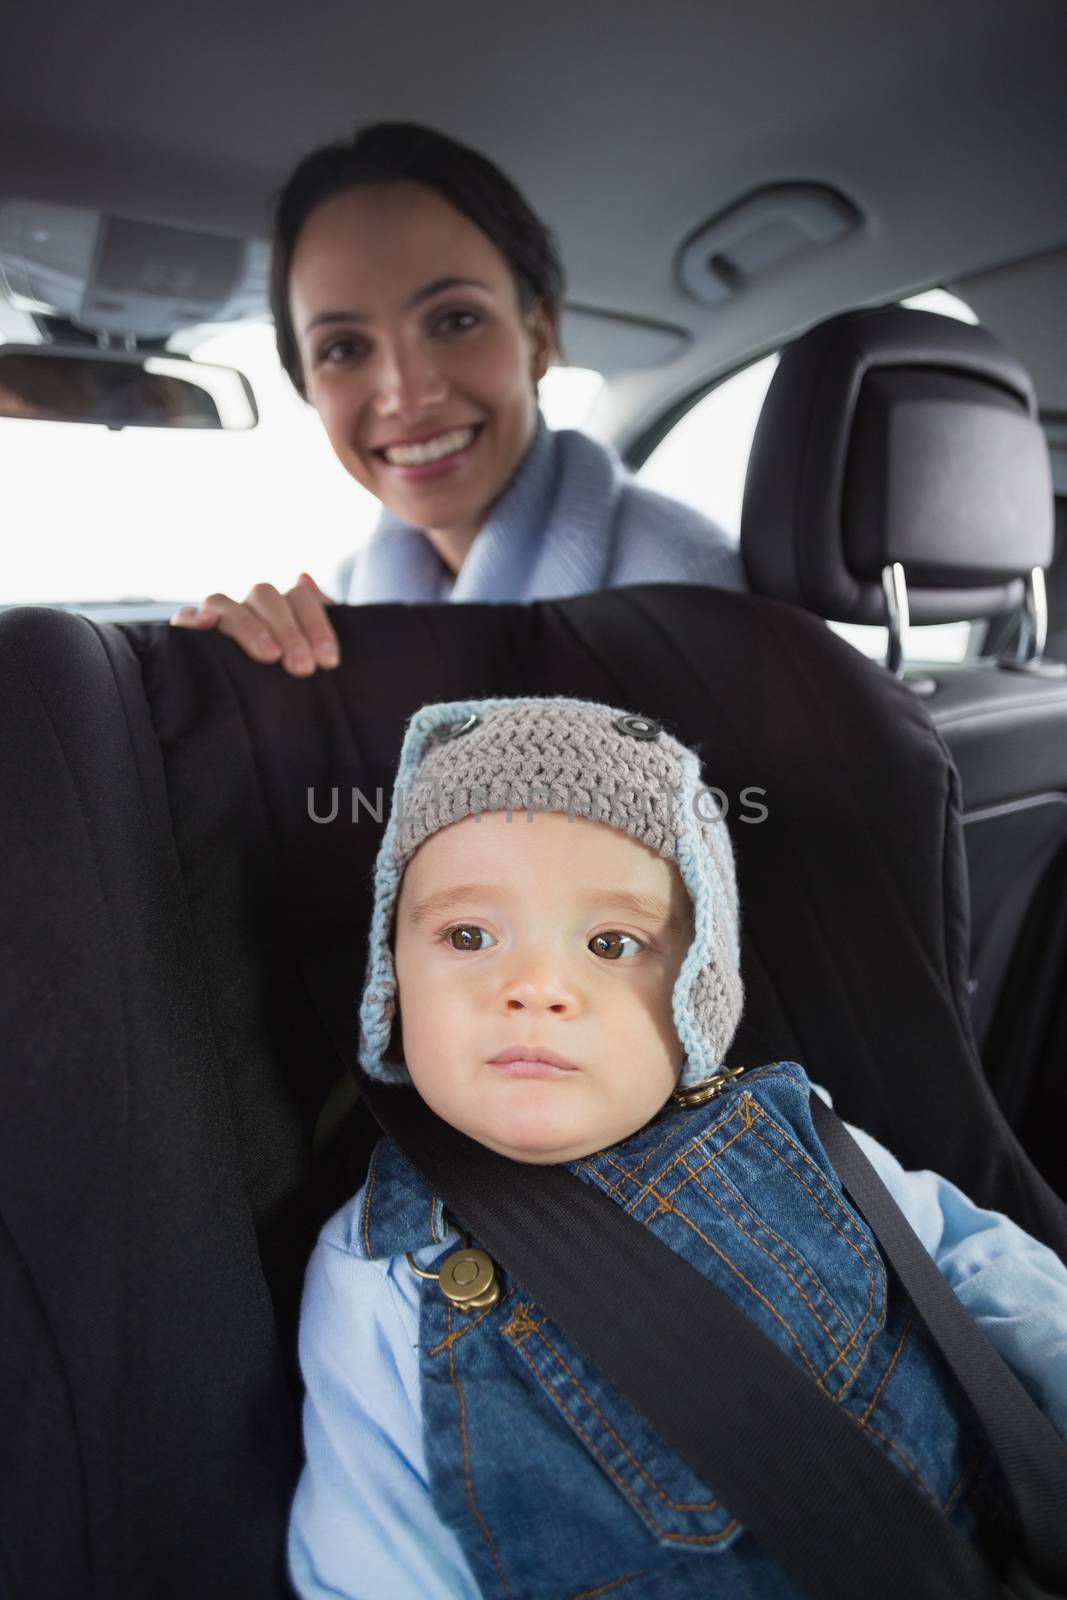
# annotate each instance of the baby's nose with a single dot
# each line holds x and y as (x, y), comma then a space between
(540, 991)
(533, 1003)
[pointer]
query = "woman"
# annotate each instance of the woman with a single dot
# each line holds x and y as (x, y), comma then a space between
(416, 299)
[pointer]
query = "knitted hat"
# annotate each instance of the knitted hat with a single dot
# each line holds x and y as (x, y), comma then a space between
(466, 757)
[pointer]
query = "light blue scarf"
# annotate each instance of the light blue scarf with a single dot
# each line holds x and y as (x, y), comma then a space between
(551, 533)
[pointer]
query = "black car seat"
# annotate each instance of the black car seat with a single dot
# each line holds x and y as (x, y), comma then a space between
(1026, 1044)
(183, 945)
(898, 439)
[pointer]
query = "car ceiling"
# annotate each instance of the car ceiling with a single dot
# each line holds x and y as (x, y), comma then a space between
(627, 125)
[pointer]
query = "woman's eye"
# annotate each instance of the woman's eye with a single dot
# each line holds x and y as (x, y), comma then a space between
(469, 937)
(614, 946)
(458, 321)
(338, 350)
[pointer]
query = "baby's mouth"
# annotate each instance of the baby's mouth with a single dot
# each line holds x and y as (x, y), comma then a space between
(532, 1061)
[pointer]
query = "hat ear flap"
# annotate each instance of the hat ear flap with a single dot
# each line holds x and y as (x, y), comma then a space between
(708, 994)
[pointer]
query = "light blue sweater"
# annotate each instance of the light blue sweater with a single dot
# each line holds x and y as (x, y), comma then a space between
(363, 1523)
(571, 521)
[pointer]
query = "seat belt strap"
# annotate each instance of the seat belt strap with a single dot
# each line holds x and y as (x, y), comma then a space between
(818, 1496)
(1030, 1451)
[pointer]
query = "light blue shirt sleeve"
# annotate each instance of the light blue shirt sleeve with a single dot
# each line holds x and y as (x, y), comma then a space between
(363, 1525)
(1014, 1287)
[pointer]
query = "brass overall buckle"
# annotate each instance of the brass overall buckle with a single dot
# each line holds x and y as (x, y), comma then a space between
(467, 1278)
(700, 1093)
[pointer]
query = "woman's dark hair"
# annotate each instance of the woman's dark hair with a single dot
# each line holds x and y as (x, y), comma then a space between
(385, 153)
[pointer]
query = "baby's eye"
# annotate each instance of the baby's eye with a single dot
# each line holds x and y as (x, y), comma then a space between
(613, 946)
(469, 937)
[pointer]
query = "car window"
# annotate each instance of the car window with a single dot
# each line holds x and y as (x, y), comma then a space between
(704, 458)
(170, 515)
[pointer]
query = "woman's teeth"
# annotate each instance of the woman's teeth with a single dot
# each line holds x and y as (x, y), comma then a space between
(418, 455)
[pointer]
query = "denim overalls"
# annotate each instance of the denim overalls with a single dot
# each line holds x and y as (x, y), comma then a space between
(556, 1487)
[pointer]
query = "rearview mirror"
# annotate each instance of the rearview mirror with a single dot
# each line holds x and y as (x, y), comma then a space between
(121, 389)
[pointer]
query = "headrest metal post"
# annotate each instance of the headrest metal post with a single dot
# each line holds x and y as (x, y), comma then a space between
(1029, 654)
(1033, 624)
(898, 617)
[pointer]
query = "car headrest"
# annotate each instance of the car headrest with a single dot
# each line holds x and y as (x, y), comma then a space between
(897, 436)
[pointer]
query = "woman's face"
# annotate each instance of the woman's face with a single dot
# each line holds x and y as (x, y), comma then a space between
(416, 352)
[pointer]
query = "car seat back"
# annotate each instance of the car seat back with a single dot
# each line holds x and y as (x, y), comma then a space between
(896, 437)
(184, 921)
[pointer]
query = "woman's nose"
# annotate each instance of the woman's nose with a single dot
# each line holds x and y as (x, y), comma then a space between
(408, 382)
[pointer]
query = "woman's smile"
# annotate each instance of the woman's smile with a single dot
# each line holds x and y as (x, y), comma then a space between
(433, 456)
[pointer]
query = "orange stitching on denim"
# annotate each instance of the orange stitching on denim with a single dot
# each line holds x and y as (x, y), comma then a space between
(887, 1374)
(827, 1186)
(695, 1175)
(367, 1193)
(709, 1159)
(801, 1261)
(743, 1110)
(696, 1138)
(590, 1163)
(647, 1157)
(665, 1208)
(863, 1350)
(620, 1484)
(862, 1253)
(767, 1228)
(749, 1110)
(595, 1409)
(605, 1588)
(433, 1221)
(803, 1154)
(454, 1335)
(648, 1187)
(521, 1324)
(891, 1444)
(642, 1185)
(842, 1351)
(694, 1141)
(746, 1108)
(467, 1467)
(655, 1150)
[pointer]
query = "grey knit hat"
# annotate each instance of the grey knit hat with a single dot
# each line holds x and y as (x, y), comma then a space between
(466, 757)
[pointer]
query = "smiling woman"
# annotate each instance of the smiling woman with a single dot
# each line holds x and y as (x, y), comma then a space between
(416, 299)
(428, 390)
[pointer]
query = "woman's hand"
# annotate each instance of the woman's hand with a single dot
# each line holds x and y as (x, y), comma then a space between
(291, 628)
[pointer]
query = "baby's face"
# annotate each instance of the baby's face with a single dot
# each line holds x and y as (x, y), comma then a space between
(548, 938)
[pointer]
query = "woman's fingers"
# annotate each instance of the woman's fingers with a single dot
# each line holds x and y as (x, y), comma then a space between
(309, 607)
(195, 617)
(274, 613)
(238, 622)
(306, 581)
(269, 626)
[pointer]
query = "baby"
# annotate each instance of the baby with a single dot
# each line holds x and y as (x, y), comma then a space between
(554, 966)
